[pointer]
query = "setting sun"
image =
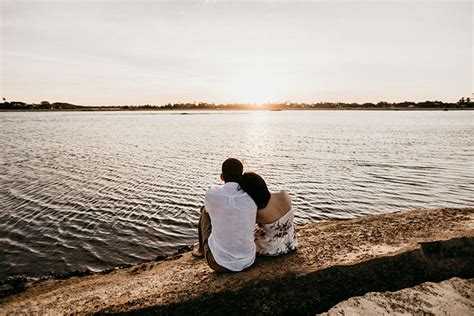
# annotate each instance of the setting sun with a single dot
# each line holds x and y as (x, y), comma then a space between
(257, 87)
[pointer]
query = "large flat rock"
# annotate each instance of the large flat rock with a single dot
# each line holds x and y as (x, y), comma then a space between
(335, 261)
(451, 297)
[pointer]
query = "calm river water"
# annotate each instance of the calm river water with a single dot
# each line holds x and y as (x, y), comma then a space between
(92, 190)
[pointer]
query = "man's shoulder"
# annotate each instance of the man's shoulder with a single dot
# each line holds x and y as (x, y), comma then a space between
(218, 194)
(215, 195)
(220, 191)
(213, 190)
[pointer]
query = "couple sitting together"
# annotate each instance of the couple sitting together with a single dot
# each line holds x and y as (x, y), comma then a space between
(228, 236)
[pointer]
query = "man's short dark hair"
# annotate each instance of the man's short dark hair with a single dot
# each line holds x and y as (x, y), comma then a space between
(232, 170)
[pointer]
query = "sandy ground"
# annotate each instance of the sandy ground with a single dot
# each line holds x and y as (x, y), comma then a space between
(183, 277)
(451, 297)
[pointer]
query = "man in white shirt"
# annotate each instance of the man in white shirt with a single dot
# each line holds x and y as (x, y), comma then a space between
(227, 222)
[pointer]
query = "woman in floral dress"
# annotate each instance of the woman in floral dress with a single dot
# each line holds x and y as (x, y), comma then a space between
(275, 232)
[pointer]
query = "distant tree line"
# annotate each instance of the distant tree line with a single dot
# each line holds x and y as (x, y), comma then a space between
(45, 105)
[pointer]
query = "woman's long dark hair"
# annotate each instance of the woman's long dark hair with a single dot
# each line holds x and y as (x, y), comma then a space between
(256, 187)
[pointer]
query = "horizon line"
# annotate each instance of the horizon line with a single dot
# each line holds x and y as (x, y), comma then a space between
(196, 103)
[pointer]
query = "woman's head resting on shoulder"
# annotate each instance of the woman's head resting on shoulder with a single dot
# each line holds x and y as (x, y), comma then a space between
(256, 187)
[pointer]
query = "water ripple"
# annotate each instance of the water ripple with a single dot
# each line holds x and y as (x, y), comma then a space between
(96, 190)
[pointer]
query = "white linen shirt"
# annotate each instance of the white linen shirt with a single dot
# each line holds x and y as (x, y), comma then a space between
(233, 214)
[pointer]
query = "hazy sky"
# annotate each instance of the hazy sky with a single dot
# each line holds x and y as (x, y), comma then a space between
(154, 52)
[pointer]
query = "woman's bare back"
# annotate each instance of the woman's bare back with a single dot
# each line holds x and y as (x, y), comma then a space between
(278, 205)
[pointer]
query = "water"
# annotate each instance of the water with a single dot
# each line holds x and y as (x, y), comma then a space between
(92, 190)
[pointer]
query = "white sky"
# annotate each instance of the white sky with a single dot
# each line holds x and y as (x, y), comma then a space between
(153, 52)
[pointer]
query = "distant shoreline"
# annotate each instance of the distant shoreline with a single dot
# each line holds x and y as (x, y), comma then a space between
(462, 104)
(119, 109)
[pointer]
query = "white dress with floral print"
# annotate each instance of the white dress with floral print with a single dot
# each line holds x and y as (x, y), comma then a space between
(276, 238)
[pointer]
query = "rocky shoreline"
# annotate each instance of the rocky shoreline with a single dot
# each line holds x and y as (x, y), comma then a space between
(336, 260)
(18, 284)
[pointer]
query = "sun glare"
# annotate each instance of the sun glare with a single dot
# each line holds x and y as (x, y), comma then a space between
(257, 89)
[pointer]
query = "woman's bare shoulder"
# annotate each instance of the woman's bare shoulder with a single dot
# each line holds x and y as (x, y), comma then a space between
(279, 205)
(285, 197)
